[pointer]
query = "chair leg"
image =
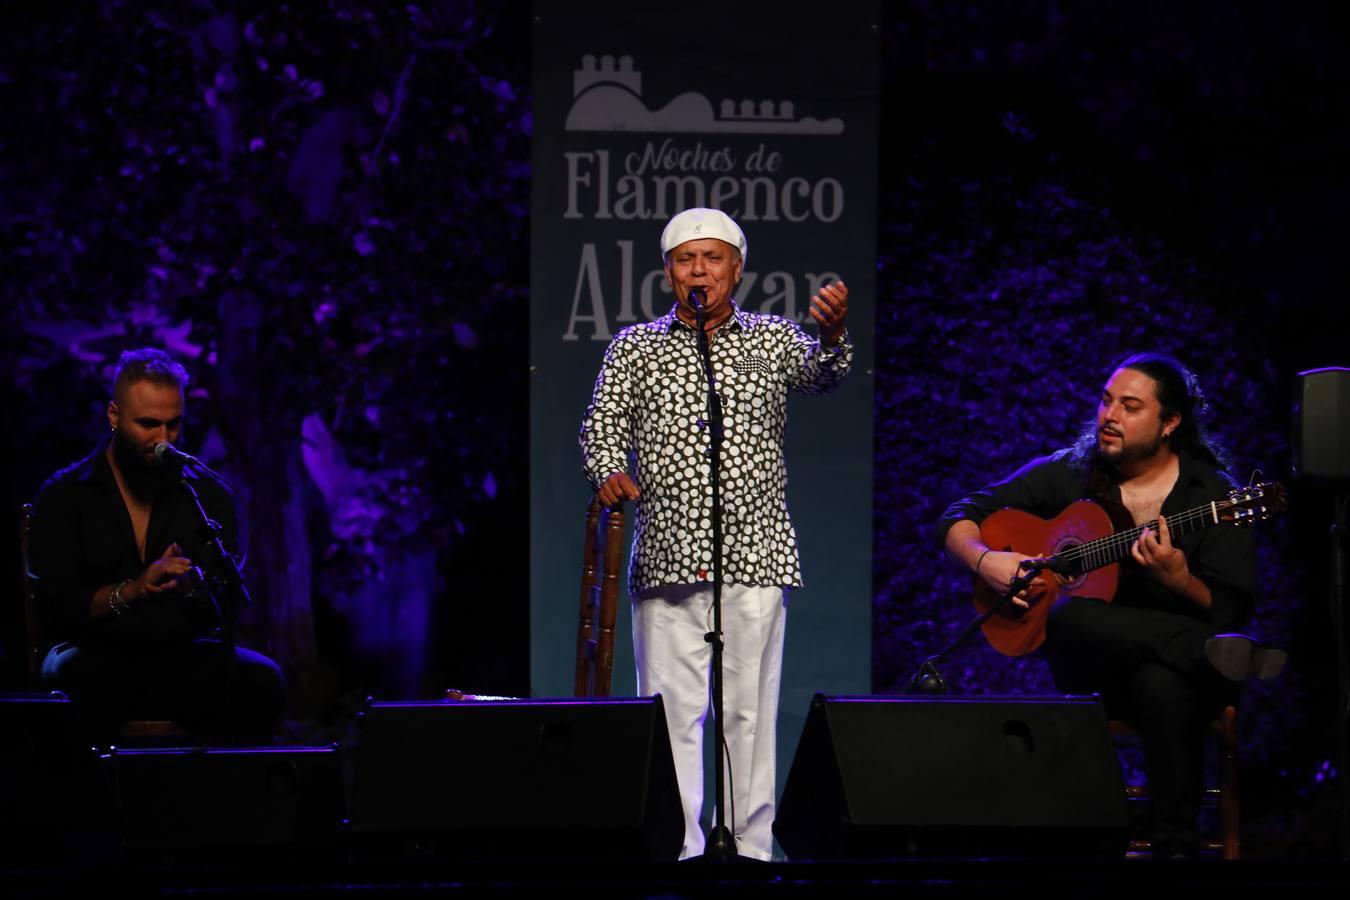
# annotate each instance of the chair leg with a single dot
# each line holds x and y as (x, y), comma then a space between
(1229, 839)
(584, 674)
(1229, 808)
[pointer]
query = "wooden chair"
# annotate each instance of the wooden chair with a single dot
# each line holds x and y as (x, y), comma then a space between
(602, 544)
(1228, 843)
(35, 645)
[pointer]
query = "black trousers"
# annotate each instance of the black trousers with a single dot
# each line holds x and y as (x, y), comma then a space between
(199, 684)
(1150, 669)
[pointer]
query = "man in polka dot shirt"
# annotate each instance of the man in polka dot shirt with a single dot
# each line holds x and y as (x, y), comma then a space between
(649, 409)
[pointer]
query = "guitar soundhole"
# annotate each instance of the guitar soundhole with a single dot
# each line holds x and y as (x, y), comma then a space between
(1076, 581)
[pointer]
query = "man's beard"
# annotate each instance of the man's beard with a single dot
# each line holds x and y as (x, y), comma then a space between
(1129, 453)
(146, 478)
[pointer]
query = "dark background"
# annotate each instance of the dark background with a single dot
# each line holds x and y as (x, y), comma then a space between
(323, 208)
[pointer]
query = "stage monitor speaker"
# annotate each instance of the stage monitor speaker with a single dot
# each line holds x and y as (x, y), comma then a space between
(218, 800)
(889, 777)
(57, 807)
(1322, 425)
(536, 779)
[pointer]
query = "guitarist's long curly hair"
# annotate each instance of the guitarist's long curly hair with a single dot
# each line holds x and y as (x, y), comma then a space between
(1179, 393)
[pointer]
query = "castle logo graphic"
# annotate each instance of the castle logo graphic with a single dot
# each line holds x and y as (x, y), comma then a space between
(607, 96)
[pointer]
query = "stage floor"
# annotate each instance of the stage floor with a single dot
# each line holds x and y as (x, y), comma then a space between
(1137, 878)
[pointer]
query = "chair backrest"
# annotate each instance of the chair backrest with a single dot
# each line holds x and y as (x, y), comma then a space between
(602, 545)
(32, 618)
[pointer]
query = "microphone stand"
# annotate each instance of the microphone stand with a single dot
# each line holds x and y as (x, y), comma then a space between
(721, 846)
(233, 581)
(927, 679)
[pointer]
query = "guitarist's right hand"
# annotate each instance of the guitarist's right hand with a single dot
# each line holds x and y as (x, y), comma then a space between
(999, 568)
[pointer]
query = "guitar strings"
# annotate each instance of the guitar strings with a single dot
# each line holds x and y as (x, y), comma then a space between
(1103, 551)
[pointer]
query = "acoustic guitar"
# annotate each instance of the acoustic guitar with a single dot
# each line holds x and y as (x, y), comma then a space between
(1083, 548)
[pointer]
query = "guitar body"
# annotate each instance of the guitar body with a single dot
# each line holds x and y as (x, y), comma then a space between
(1014, 631)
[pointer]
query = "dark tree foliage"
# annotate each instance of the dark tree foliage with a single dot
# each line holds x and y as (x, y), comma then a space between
(322, 207)
(1064, 186)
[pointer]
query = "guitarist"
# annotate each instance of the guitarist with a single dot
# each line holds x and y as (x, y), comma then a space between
(1161, 652)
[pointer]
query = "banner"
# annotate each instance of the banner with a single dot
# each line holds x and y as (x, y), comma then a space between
(767, 111)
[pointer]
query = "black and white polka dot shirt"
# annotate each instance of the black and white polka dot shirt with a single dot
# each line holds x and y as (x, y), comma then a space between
(649, 403)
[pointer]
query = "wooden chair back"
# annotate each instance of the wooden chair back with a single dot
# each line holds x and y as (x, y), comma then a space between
(32, 622)
(601, 558)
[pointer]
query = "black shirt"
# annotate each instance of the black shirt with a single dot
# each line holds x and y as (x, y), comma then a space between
(1221, 556)
(82, 539)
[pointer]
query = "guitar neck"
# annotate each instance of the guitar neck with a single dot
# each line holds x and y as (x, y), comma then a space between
(1115, 547)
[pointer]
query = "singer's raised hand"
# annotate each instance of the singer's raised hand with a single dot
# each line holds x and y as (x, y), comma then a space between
(829, 308)
(616, 489)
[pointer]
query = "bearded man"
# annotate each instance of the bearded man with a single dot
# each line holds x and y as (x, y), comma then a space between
(121, 561)
(1163, 653)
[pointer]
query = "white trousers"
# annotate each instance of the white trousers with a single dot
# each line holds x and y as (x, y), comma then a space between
(674, 660)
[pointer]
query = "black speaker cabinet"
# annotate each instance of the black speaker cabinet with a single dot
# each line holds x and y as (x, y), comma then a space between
(534, 779)
(883, 777)
(1322, 425)
(56, 804)
(223, 798)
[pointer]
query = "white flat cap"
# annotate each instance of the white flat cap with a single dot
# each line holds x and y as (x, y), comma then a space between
(698, 223)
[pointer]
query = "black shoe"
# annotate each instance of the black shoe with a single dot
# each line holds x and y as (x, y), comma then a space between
(1238, 657)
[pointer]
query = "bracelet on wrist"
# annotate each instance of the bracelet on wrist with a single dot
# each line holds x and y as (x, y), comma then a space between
(987, 551)
(115, 600)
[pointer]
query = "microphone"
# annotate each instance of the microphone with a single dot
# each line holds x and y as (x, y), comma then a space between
(1056, 564)
(693, 298)
(169, 453)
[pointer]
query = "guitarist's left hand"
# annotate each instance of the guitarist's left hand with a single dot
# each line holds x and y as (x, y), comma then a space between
(1163, 561)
